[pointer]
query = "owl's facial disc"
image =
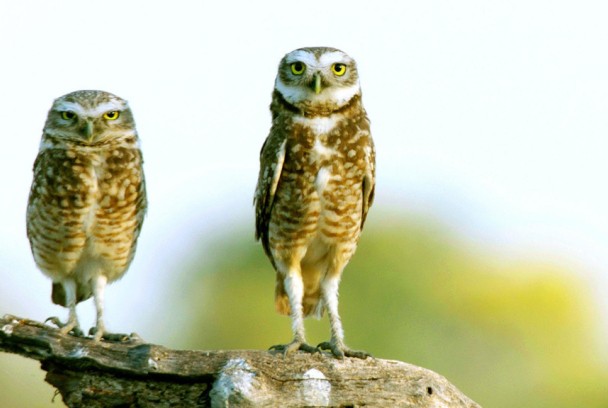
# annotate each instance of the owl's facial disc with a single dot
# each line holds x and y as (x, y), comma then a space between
(317, 78)
(87, 122)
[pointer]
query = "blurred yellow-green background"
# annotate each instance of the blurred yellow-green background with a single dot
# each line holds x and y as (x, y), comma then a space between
(484, 257)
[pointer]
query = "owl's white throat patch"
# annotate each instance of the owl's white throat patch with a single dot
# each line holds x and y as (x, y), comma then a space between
(339, 96)
(320, 125)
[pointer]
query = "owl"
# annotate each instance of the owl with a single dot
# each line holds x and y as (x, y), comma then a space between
(87, 201)
(315, 187)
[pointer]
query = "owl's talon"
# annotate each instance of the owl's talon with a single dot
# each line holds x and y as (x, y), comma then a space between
(71, 327)
(295, 345)
(114, 337)
(96, 333)
(342, 351)
(55, 320)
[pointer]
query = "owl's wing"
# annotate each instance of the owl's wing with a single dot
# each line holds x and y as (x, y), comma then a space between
(272, 157)
(141, 204)
(369, 180)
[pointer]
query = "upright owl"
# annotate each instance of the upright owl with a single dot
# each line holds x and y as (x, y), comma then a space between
(87, 201)
(315, 187)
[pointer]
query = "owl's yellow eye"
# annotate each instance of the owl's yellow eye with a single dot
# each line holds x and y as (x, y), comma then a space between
(111, 115)
(68, 115)
(297, 68)
(338, 69)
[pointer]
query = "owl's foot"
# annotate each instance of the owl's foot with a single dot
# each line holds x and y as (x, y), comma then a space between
(98, 335)
(71, 327)
(294, 346)
(341, 351)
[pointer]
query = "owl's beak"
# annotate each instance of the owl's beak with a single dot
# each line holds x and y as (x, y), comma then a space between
(87, 129)
(317, 83)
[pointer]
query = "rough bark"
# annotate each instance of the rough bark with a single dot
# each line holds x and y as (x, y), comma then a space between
(137, 374)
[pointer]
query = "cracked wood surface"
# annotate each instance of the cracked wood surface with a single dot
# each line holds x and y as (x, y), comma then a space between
(137, 374)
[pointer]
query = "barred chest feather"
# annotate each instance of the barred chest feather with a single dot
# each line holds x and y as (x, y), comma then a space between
(97, 196)
(324, 169)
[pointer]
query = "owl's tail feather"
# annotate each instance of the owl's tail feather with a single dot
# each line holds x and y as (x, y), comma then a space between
(83, 292)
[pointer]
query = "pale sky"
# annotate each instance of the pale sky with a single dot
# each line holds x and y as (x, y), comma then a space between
(491, 116)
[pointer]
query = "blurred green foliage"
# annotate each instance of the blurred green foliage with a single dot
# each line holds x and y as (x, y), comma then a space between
(507, 333)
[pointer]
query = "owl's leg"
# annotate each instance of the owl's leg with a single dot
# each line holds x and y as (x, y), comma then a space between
(329, 289)
(99, 331)
(71, 326)
(99, 290)
(294, 286)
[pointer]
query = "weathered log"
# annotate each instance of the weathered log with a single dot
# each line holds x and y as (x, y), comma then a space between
(136, 374)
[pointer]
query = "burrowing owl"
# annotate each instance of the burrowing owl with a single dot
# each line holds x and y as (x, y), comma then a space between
(87, 200)
(315, 187)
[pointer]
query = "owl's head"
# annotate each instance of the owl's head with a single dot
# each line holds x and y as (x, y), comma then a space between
(317, 78)
(90, 117)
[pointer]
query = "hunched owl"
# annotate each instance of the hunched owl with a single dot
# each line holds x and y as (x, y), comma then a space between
(87, 201)
(315, 187)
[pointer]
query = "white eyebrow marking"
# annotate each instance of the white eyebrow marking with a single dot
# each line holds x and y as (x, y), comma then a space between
(303, 56)
(311, 61)
(333, 57)
(96, 111)
(69, 106)
(106, 107)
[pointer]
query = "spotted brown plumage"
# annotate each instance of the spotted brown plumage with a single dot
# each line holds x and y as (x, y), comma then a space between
(88, 199)
(315, 186)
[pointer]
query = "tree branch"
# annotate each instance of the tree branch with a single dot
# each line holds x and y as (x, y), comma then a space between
(137, 374)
